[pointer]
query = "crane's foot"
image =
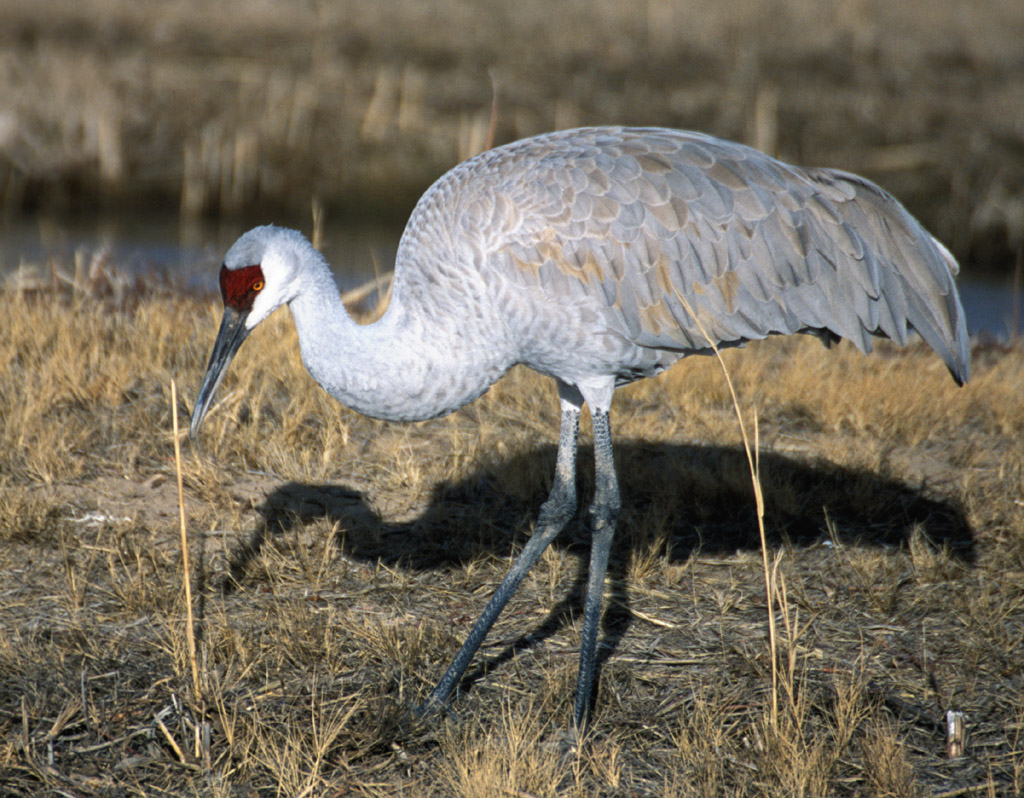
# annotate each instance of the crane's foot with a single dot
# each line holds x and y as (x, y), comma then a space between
(431, 708)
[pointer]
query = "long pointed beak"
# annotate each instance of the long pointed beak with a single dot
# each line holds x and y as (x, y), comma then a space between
(232, 332)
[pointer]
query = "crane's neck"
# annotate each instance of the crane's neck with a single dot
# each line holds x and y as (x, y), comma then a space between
(404, 367)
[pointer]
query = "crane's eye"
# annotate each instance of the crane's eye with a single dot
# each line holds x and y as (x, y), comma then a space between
(257, 286)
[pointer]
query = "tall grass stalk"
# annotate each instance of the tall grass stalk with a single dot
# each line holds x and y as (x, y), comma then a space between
(186, 570)
(754, 463)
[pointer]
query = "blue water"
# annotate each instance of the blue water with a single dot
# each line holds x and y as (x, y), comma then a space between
(989, 306)
(187, 256)
(191, 256)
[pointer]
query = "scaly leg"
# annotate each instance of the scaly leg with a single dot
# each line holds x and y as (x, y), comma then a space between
(555, 513)
(603, 514)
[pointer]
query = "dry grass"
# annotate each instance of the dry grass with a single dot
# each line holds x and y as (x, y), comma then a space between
(232, 106)
(339, 560)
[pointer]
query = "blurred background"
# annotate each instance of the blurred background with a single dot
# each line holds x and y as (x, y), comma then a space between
(153, 132)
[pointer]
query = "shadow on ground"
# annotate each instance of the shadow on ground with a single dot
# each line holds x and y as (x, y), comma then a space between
(703, 494)
(682, 499)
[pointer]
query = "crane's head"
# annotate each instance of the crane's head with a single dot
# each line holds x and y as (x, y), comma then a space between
(258, 276)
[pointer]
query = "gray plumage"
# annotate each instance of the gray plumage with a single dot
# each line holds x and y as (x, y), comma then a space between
(598, 256)
(634, 226)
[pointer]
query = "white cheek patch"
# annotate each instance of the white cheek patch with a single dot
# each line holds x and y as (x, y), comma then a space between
(260, 310)
(275, 274)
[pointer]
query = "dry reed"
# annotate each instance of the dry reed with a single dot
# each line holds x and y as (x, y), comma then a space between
(227, 108)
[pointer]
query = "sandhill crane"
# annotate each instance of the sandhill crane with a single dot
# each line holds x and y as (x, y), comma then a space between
(591, 255)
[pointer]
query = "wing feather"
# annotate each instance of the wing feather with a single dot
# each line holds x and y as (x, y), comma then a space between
(658, 226)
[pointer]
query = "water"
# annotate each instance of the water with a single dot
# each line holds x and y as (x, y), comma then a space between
(990, 307)
(191, 256)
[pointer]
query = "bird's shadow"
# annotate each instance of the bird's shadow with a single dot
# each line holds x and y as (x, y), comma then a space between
(677, 498)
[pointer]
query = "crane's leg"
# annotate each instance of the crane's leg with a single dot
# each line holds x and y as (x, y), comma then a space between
(555, 513)
(603, 514)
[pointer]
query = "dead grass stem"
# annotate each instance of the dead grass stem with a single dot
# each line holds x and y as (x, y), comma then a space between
(752, 452)
(186, 568)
